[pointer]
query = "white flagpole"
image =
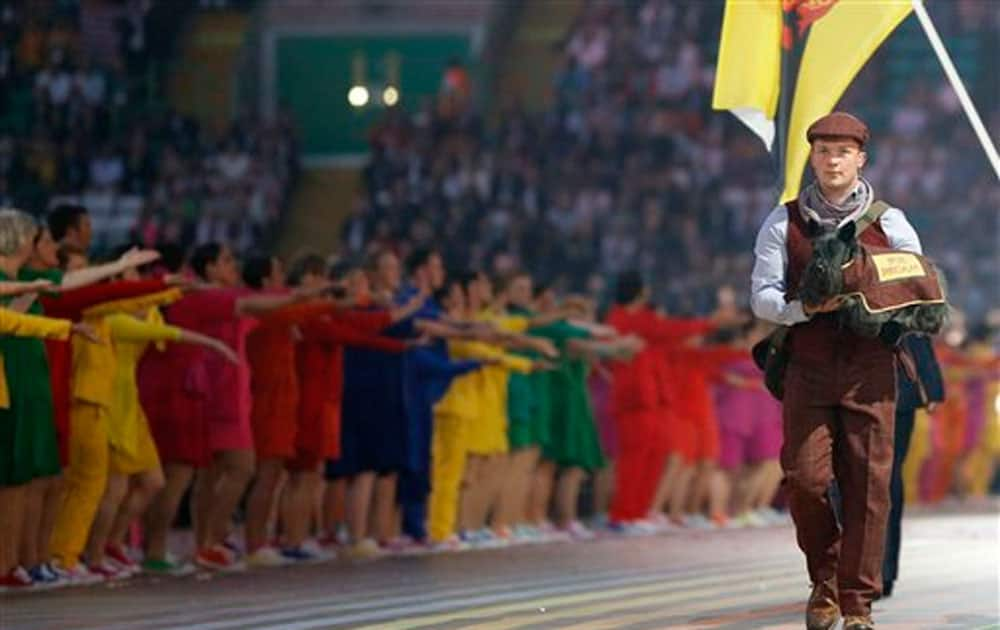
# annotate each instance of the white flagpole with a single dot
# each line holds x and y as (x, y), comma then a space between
(956, 83)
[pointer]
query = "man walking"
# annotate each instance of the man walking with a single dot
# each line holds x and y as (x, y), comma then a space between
(839, 388)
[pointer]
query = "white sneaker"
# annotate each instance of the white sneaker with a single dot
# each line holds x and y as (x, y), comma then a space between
(698, 521)
(449, 544)
(79, 575)
(578, 531)
(364, 549)
(771, 516)
(266, 557)
(312, 546)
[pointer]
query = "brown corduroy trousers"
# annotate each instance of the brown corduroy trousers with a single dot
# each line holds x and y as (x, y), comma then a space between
(838, 424)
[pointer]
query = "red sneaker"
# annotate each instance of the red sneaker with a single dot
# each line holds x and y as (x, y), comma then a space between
(120, 556)
(110, 571)
(217, 558)
(17, 580)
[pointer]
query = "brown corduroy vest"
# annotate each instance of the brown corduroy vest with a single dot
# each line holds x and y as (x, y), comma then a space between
(821, 337)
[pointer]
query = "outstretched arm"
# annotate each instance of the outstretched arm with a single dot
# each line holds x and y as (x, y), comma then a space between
(20, 288)
(131, 259)
(130, 329)
(70, 304)
(597, 349)
(21, 325)
(262, 303)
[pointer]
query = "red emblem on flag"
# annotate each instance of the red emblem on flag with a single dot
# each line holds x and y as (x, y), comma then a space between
(801, 14)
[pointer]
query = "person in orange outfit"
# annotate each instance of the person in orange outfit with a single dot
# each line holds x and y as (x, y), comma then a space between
(272, 353)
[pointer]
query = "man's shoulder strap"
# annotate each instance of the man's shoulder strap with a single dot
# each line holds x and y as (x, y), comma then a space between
(871, 215)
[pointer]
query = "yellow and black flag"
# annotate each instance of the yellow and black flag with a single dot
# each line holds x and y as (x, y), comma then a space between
(784, 63)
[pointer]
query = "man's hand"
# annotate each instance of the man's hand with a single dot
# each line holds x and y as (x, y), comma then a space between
(829, 306)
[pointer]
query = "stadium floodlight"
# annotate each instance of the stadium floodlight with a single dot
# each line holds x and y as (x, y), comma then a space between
(390, 96)
(357, 96)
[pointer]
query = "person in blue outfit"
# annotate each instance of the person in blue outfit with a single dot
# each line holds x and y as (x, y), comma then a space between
(427, 373)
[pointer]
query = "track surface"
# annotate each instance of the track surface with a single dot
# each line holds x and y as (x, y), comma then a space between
(736, 580)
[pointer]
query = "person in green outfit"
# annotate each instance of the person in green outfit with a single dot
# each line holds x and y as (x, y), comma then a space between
(567, 435)
(28, 447)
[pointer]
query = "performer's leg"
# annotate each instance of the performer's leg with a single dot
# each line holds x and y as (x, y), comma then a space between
(360, 494)
(143, 488)
(414, 489)
(384, 522)
(567, 495)
(114, 494)
(86, 478)
(541, 491)
(11, 520)
(236, 469)
(31, 525)
(163, 510)
(55, 491)
(447, 470)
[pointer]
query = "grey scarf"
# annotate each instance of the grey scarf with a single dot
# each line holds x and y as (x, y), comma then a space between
(815, 207)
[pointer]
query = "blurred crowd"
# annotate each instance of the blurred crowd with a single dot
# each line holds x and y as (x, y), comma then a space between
(630, 166)
(82, 122)
(532, 333)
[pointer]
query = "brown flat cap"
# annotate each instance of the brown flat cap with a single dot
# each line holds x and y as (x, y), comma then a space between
(839, 125)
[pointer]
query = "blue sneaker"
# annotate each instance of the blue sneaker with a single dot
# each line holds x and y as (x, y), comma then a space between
(43, 577)
(303, 554)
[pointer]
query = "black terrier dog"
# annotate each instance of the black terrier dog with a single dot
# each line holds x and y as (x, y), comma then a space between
(887, 294)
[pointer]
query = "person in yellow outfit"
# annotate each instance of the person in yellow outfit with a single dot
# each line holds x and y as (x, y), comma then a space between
(92, 396)
(456, 416)
(134, 473)
(487, 442)
(16, 324)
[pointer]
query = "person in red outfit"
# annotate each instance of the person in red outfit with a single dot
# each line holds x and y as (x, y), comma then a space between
(641, 402)
(706, 491)
(200, 410)
(271, 350)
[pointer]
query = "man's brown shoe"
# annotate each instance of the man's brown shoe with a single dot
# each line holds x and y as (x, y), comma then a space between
(858, 623)
(823, 611)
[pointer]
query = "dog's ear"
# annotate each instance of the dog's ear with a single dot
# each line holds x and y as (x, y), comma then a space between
(847, 233)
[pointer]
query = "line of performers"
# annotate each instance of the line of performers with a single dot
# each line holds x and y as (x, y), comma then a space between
(405, 408)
